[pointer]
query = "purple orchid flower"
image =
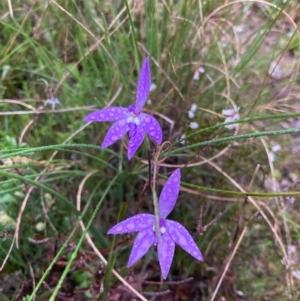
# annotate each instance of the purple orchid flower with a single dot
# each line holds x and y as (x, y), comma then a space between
(171, 232)
(130, 119)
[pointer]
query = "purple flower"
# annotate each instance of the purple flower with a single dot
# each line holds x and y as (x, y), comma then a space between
(130, 119)
(52, 101)
(171, 232)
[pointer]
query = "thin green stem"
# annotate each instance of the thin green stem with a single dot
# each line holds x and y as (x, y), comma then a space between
(147, 142)
(58, 147)
(233, 138)
(237, 193)
(156, 213)
(153, 187)
(244, 120)
(154, 194)
(41, 186)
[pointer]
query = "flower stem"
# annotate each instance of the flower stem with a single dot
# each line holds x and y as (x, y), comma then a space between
(156, 213)
(153, 188)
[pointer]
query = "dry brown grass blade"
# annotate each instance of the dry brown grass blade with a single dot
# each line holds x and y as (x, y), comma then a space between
(36, 112)
(163, 72)
(228, 263)
(18, 102)
(185, 165)
(11, 12)
(281, 208)
(91, 243)
(221, 7)
(18, 32)
(94, 47)
(86, 29)
(255, 204)
(25, 129)
(230, 257)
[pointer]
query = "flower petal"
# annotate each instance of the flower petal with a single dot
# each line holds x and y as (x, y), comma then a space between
(144, 240)
(169, 194)
(230, 119)
(136, 140)
(276, 148)
(52, 101)
(272, 157)
(236, 108)
(144, 84)
(116, 132)
(107, 114)
(165, 250)
(182, 237)
(133, 224)
(194, 125)
(152, 128)
(227, 112)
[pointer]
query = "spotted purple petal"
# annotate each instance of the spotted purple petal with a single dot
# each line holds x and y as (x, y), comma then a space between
(107, 114)
(152, 128)
(165, 250)
(135, 141)
(116, 132)
(144, 84)
(132, 224)
(169, 194)
(144, 240)
(182, 237)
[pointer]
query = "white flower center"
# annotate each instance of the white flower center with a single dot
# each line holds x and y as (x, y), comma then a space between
(133, 119)
(162, 229)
